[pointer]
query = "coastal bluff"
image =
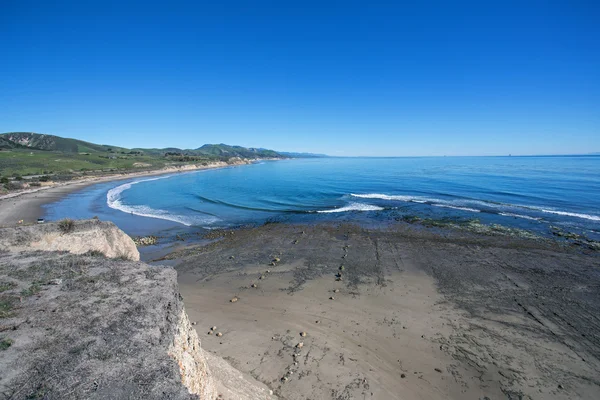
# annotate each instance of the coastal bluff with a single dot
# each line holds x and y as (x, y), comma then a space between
(77, 237)
(96, 323)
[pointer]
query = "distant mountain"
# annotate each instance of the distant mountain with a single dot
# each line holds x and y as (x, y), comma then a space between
(301, 155)
(40, 141)
(223, 150)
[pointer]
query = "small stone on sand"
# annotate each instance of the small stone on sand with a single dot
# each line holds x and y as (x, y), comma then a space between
(300, 345)
(303, 334)
(233, 300)
(219, 334)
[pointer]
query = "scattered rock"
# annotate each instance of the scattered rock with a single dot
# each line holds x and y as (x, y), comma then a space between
(284, 379)
(145, 240)
(332, 298)
(253, 285)
(214, 328)
(55, 282)
(342, 268)
(317, 322)
(231, 257)
(268, 271)
(303, 334)
(209, 333)
(219, 334)
(336, 291)
(262, 277)
(438, 370)
(560, 386)
(300, 345)
(233, 300)
(402, 375)
(195, 323)
(276, 259)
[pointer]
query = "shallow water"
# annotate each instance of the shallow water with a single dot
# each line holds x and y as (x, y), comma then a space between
(525, 192)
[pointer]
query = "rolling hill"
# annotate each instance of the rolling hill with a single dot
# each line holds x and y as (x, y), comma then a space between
(55, 143)
(28, 153)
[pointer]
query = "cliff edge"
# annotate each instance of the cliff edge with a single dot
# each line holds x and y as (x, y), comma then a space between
(76, 326)
(77, 237)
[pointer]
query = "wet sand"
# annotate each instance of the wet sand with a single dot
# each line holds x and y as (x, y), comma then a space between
(417, 313)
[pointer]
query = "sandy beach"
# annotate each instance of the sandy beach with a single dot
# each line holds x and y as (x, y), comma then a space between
(401, 313)
(27, 205)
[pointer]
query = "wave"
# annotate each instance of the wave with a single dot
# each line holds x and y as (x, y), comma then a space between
(113, 200)
(417, 199)
(486, 206)
(353, 207)
(570, 214)
(248, 208)
(457, 207)
(520, 216)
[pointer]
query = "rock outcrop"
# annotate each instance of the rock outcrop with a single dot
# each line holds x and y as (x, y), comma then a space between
(84, 326)
(77, 237)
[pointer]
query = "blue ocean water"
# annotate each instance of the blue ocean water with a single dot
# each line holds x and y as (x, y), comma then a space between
(526, 192)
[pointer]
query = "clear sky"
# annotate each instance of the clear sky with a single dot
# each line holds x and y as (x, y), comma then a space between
(336, 77)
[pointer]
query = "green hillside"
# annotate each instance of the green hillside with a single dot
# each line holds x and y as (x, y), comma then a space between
(56, 143)
(236, 151)
(25, 153)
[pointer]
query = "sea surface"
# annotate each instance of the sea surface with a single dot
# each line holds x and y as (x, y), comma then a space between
(534, 193)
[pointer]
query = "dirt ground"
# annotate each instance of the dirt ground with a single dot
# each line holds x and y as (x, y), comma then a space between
(401, 313)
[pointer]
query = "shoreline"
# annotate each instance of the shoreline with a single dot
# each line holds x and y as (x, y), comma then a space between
(381, 313)
(27, 205)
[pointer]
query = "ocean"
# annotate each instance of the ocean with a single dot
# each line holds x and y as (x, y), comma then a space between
(533, 193)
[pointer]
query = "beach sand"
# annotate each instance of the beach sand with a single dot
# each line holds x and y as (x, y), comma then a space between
(418, 314)
(27, 205)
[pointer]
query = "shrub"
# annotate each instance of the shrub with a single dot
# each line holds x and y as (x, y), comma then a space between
(35, 184)
(4, 286)
(4, 180)
(44, 178)
(13, 185)
(18, 178)
(33, 289)
(66, 225)
(5, 343)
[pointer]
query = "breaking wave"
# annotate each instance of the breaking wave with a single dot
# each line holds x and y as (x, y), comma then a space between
(353, 207)
(114, 201)
(470, 204)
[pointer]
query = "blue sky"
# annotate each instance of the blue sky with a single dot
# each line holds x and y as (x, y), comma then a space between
(343, 78)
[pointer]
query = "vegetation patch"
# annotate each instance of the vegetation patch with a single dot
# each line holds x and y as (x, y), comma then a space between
(33, 289)
(4, 286)
(6, 307)
(5, 343)
(66, 225)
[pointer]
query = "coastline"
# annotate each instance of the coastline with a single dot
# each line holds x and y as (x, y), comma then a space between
(339, 311)
(27, 205)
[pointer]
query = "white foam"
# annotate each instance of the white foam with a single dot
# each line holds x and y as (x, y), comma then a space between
(457, 207)
(113, 200)
(570, 214)
(463, 204)
(390, 197)
(520, 216)
(353, 207)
